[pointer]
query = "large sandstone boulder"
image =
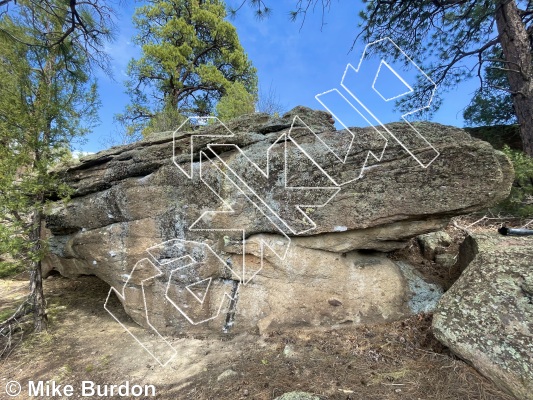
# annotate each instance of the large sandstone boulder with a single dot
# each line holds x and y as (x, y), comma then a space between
(486, 317)
(261, 223)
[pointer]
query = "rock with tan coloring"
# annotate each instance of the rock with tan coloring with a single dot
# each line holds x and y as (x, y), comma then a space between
(163, 220)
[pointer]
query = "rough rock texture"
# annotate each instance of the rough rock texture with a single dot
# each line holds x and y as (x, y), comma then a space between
(486, 317)
(433, 243)
(162, 220)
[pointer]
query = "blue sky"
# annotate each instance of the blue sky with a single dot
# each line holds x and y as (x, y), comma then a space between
(296, 61)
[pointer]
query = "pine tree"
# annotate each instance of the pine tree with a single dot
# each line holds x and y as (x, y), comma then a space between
(236, 102)
(460, 38)
(492, 103)
(47, 99)
(191, 58)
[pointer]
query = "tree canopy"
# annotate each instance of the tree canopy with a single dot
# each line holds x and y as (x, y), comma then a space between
(457, 39)
(492, 103)
(237, 101)
(191, 58)
(86, 25)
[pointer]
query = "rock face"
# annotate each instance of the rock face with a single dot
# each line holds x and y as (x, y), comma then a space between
(486, 317)
(268, 222)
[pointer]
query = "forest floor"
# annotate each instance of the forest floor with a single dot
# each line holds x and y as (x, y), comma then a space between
(399, 360)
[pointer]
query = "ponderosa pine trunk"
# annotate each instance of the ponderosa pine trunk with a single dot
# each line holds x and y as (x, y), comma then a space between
(516, 48)
(37, 299)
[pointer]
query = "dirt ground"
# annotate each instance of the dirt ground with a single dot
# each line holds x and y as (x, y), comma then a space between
(400, 360)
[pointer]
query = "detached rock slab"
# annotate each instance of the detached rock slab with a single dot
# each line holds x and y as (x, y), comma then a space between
(486, 317)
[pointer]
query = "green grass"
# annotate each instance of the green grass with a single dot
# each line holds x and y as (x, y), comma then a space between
(8, 269)
(5, 314)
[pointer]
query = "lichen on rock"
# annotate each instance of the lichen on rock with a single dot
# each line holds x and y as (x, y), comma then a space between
(266, 179)
(486, 317)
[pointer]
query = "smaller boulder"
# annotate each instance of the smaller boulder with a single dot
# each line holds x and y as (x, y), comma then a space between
(227, 374)
(297, 396)
(289, 351)
(486, 317)
(445, 259)
(433, 243)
